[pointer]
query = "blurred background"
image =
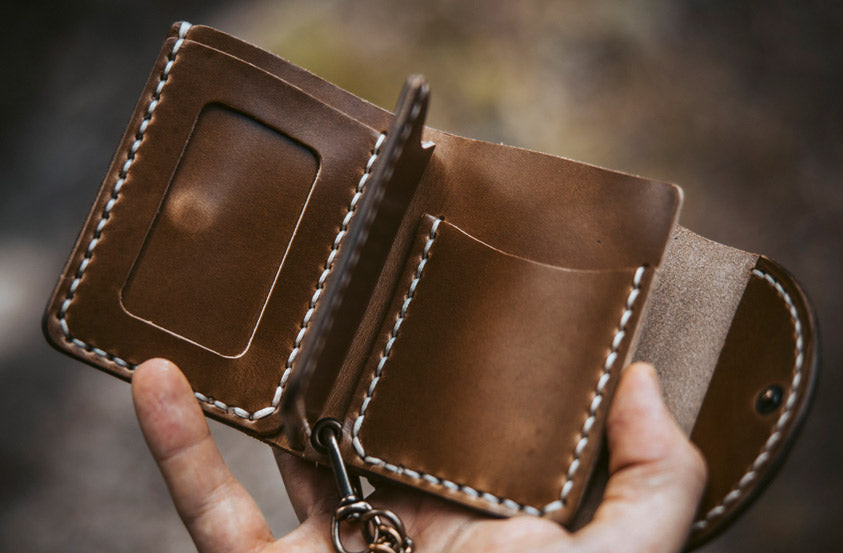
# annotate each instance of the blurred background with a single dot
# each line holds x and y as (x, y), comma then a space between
(738, 102)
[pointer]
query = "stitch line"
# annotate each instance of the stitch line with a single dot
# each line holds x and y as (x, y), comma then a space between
(611, 358)
(106, 212)
(776, 435)
(327, 268)
(599, 391)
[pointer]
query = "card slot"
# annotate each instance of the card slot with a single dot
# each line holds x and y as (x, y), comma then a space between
(490, 365)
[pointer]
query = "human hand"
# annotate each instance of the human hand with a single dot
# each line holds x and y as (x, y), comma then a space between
(657, 478)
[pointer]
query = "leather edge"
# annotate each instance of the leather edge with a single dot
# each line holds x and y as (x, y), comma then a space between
(51, 320)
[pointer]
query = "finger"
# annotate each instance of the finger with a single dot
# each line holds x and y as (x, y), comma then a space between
(310, 488)
(657, 475)
(217, 511)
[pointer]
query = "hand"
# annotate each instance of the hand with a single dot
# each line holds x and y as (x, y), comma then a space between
(657, 478)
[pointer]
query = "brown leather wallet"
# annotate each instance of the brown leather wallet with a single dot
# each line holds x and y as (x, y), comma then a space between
(460, 310)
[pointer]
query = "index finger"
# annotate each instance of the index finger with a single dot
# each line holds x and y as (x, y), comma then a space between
(217, 511)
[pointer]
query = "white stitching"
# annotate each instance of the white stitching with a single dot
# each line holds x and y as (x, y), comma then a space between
(776, 434)
(600, 389)
(106, 212)
(89, 250)
(617, 340)
(329, 265)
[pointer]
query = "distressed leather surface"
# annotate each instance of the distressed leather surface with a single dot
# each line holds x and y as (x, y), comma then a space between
(482, 353)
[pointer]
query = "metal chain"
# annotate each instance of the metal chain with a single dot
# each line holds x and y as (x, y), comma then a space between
(381, 529)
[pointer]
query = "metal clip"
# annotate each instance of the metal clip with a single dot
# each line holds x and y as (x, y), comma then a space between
(382, 529)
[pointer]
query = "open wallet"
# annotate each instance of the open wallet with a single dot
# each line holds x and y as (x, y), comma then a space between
(401, 303)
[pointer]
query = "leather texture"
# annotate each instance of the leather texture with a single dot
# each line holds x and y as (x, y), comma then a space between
(464, 309)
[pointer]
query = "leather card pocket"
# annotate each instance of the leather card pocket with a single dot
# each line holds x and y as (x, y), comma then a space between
(490, 366)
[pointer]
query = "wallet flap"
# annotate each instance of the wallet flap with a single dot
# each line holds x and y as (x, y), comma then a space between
(758, 396)
(211, 231)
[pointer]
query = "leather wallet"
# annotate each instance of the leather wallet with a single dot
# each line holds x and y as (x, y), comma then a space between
(460, 310)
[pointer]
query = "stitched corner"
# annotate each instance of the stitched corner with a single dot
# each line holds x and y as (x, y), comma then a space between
(115, 195)
(784, 418)
(600, 389)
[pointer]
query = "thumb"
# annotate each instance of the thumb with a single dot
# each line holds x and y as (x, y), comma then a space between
(656, 475)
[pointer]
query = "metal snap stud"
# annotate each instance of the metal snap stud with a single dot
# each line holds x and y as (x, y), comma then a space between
(769, 399)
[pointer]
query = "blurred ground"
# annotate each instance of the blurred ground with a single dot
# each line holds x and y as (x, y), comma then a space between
(737, 102)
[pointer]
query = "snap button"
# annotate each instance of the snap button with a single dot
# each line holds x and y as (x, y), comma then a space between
(769, 399)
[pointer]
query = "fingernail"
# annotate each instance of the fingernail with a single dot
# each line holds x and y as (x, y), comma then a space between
(649, 379)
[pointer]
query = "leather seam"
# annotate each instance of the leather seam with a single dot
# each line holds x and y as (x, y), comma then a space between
(327, 268)
(600, 389)
(106, 212)
(784, 418)
(390, 160)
